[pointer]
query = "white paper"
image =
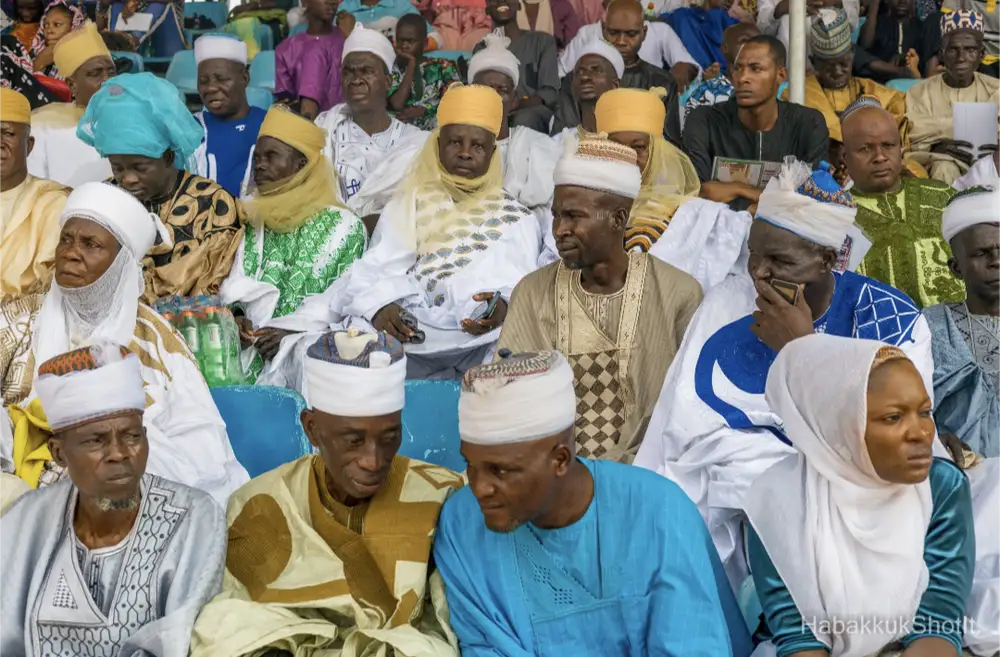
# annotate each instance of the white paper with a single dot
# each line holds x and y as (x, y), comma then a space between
(975, 123)
(136, 23)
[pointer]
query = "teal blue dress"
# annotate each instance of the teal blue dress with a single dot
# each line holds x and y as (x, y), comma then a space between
(950, 554)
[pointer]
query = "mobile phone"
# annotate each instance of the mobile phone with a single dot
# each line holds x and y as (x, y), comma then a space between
(788, 291)
(491, 307)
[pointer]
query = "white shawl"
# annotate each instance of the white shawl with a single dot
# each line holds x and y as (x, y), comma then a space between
(848, 545)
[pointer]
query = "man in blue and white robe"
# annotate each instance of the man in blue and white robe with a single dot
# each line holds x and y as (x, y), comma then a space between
(712, 431)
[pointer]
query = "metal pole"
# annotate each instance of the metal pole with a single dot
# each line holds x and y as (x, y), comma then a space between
(797, 51)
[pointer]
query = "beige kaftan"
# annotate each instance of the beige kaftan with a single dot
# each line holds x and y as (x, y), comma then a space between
(620, 345)
(929, 108)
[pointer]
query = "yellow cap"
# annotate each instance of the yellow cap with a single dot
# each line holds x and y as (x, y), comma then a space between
(301, 134)
(631, 110)
(14, 107)
(472, 104)
(77, 47)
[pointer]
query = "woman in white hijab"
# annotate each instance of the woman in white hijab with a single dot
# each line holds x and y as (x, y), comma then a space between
(104, 234)
(863, 543)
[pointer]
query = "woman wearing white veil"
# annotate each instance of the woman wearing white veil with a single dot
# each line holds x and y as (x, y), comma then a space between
(104, 234)
(863, 542)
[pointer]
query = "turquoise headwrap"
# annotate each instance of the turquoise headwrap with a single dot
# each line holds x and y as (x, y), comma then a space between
(140, 114)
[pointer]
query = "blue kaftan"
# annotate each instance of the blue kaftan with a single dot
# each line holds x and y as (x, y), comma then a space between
(637, 575)
(949, 552)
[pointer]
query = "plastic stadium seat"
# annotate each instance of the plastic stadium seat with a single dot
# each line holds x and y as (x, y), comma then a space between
(301, 27)
(137, 65)
(263, 425)
(259, 97)
(183, 72)
(262, 70)
(857, 31)
(430, 423)
(902, 84)
(217, 12)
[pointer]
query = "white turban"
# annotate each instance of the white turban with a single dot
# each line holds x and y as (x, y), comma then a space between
(809, 204)
(602, 48)
(354, 374)
(118, 211)
(362, 39)
(517, 399)
(601, 164)
(114, 296)
(970, 208)
(220, 46)
(495, 57)
(91, 393)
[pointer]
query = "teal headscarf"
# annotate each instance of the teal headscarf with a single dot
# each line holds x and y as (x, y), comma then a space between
(140, 114)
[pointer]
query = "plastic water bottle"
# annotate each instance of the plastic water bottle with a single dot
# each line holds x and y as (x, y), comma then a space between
(189, 330)
(215, 356)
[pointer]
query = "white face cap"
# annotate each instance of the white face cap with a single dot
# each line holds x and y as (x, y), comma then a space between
(220, 46)
(517, 399)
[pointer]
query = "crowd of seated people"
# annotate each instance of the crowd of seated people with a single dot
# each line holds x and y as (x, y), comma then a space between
(727, 364)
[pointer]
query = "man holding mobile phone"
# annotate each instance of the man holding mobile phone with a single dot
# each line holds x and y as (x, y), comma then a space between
(713, 431)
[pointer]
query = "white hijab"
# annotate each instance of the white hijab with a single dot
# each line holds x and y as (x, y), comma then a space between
(107, 308)
(846, 543)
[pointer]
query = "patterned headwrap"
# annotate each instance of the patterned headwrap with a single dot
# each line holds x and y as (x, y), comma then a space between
(78, 19)
(355, 374)
(93, 383)
(516, 399)
(962, 19)
(809, 204)
(140, 114)
(600, 164)
(830, 34)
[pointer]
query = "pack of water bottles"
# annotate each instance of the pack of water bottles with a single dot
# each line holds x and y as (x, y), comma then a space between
(211, 334)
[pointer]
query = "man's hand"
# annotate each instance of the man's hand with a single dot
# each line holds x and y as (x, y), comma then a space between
(345, 21)
(245, 327)
(410, 113)
(960, 150)
(727, 192)
(684, 74)
(913, 63)
(484, 326)
(813, 6)
(268, 341)
(777, 322)
(712, 72)
(408, 61)
(390, 320)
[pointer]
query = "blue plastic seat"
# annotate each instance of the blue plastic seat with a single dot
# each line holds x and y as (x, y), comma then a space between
(430, 424)
(262, 70)
(857, 31)
(263, 425)
(902, 84)
(183, 72)
(137, 65)
(259, 97)
(217, 12)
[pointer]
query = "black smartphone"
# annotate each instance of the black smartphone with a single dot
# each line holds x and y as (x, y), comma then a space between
(491, 307)
(788, 291)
